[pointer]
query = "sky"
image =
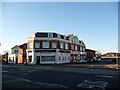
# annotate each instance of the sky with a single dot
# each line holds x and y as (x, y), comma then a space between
(96, 23)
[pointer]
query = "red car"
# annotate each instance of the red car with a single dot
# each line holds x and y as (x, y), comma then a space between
(73, 61)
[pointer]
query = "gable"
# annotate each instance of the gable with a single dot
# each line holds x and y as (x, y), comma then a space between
(16, 47)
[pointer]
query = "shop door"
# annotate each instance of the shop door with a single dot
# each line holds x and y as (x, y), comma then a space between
(38, 59)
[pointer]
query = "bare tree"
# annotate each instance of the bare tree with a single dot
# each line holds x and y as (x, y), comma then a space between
(6, 52)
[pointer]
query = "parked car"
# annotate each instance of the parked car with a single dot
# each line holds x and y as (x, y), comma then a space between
(81, 61)
(88, 60)
(91, 60)
(73, 61)
(97, 59)
(114, 60)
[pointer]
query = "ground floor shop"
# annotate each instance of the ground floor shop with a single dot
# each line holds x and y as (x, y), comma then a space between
(51, 56)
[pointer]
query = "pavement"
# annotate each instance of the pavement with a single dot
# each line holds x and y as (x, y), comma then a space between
(113, 66)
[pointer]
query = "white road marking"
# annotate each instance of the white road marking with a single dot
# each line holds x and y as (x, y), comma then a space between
(3, 71)
(117, 68)
(48, 85)
(23, 69)
(12, 69)
(33, 70)
(107, 76)
(93, 84)
(52, 85)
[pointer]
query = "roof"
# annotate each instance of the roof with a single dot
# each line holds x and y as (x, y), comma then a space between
(23, 46)
(90, 50)
(111, 53)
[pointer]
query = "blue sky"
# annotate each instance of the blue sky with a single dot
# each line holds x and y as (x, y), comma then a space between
(96, 23)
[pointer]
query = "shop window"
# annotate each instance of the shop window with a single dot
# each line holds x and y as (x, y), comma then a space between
(48, 58)
(52, 58)
(42, 58)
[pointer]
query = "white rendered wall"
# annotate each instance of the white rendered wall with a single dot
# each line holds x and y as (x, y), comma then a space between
(11, 56)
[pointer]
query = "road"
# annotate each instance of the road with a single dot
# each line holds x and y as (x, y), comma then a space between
(59, 76)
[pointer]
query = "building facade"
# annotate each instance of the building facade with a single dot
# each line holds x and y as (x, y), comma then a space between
(111, 55)
(90, 53)
(18, 54)
(54, 48)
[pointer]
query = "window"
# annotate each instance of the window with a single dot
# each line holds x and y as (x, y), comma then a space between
(61, 45)
(59, 57)
(54, 35)
(13, 59)
(50, 35)
(80, 48)
(67, 38)
(61, 36)
(16, 51)
(58, 36)
(83, 49)
(41, 34)
(9, 58)
(66, 46)
(63, 58)
(52, 58)
(72, 47)
(30, 45)
(47, 58)
(75, 47)
(69, 57)
(45, 44)
(42, 58)
(54, 45)
(37, 45)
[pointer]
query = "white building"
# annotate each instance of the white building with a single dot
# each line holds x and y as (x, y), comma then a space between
(54, 48)
(18, 54)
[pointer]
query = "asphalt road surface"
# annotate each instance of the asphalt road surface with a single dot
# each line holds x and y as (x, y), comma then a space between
(46, 76)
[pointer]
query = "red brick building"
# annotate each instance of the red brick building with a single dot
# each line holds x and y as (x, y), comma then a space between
(54, 48)
(90, 53)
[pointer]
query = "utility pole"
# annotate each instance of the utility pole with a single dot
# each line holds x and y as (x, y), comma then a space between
(118, 59)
